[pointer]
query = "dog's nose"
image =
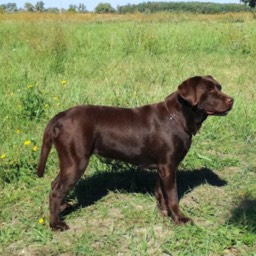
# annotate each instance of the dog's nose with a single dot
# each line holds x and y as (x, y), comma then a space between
(229, 101)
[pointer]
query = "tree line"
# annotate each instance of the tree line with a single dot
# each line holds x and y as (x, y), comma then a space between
(40, 7)
(193, 7)
(148, 7)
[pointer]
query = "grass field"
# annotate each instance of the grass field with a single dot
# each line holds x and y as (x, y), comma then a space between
(52, 62)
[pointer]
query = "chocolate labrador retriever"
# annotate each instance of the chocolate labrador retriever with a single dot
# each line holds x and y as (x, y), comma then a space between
(154, 136)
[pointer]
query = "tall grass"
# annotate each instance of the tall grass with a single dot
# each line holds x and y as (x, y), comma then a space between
(52, 62)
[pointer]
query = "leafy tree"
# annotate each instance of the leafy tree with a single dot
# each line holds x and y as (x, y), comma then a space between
(251, 3)
(29, 7)
(72, 8)
(81, 8)
(104, 8)
(10, 7)
(39, 6)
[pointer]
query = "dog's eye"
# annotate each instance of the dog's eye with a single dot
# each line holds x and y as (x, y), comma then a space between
(211, 89)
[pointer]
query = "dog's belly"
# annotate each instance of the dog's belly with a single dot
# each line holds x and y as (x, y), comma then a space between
(139, 160)
(128, 150)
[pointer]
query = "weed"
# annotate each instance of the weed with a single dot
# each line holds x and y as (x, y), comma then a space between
(33, 103)
(58, 50)
(141, 38)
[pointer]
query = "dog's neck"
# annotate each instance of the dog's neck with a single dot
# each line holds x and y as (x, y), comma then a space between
(188, 117)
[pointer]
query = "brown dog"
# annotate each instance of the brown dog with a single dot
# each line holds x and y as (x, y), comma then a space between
(156, 136)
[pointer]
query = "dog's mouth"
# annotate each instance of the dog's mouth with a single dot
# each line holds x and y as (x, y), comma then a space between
(217, 113)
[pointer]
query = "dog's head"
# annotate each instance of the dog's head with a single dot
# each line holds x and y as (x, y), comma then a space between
(204, 92)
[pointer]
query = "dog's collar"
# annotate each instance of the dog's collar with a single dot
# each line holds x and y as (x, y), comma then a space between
(172, 118)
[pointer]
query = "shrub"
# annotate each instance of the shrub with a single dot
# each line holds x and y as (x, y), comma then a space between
(33, 103)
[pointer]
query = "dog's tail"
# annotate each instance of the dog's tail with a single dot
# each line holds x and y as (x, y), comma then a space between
(45, 149)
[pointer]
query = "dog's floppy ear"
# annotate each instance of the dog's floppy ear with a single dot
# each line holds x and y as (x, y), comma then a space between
(188, 90)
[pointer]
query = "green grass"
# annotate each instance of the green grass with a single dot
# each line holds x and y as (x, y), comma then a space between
(50, 64)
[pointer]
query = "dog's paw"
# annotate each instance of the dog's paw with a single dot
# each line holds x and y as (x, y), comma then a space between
(162, 210)
(183, 220)
(59, 226)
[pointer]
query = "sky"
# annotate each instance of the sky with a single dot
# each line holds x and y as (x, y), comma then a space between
(90, 5)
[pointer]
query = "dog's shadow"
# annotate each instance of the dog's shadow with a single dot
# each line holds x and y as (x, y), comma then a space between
(244, 214)
(130, 179)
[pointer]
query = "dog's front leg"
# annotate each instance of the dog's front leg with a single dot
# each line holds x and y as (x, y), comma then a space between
(167, 191)
(161, 202)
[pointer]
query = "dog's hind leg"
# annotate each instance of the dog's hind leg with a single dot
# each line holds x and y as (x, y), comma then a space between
(71, 169)
(64, 205)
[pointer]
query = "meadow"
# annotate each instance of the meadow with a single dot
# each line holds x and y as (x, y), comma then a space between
(50, 62)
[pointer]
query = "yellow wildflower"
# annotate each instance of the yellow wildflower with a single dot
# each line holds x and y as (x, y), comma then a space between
(3, 156)
(63, 82)
(41, 221)
(30, 86)
(27, 142)
(56, 98)
(35, 148)
(18, 131)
